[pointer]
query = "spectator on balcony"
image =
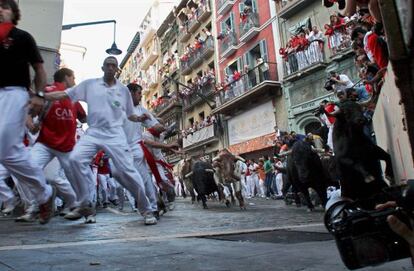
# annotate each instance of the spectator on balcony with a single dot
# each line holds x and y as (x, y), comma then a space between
(263, 68)
(372, 5)
(335, 32)
(291, 50)
(301, 45)
(316, 41)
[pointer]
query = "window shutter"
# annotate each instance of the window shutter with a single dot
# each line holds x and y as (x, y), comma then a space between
(263, 50)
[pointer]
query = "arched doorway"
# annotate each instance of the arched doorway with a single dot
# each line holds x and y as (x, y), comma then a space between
(312, 127)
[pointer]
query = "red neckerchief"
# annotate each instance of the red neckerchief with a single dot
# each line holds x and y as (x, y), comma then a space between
(5, 29)
(154, 132)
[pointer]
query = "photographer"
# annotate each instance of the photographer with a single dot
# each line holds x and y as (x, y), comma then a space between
(340, 82)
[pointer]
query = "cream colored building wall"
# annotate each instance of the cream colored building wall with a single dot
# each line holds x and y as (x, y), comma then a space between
(203, 67)
(389, 129)
(43, 19)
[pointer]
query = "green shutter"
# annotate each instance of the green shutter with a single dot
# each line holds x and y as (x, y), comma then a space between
(263, 50)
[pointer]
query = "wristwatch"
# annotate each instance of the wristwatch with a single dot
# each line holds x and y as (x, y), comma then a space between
(40, 94)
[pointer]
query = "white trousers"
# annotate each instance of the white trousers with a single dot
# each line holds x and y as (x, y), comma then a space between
(113, 142)
(6, 193)
(13, 155)
(330, 134)
(279, 184)
(104, 186)
(44, 157)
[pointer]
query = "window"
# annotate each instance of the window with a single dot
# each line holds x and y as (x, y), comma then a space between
(235, 66)
(254, 6)
(228, 24)
(201, 116)
(191, 121)
(260, 50)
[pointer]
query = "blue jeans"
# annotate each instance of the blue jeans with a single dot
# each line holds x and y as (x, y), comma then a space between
(268, 184)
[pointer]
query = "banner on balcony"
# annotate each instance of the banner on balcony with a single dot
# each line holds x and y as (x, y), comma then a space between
(253, 123)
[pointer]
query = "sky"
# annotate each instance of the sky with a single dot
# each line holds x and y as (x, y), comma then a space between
(97, 38)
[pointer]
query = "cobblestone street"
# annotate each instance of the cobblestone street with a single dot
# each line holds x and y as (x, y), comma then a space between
(267, 236)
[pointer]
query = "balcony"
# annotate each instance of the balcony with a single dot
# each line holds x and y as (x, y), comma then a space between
(147, 34)
(167, 105)
(255, 83)
(340, 43)
(149, 58)
(192, 100)
(203, 136)
(228, 44)
(250, 27)
(184, 35)
(193, 23)
(224, 6)
(185, 67)
(288, 8)
(303, 62)
(208, 48)
(205, 11)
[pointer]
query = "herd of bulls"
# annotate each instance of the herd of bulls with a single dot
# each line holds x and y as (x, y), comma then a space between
(355, 167)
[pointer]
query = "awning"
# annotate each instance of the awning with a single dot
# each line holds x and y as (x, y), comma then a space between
(258, 143)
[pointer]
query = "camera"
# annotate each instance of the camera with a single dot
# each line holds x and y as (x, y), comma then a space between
(363, 236)
(329, 84)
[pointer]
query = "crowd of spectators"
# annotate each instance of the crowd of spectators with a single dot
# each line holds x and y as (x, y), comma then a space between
(198, 125)
(207, 77)
(193, 50)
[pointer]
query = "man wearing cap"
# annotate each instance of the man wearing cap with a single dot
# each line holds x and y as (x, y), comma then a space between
(108, 103)
(18, 51)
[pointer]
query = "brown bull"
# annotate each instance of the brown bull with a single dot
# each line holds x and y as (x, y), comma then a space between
(227, 172)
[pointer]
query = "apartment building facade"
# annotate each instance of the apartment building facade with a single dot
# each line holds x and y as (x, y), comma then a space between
(305, 72)
(250, 97)
(196, 50)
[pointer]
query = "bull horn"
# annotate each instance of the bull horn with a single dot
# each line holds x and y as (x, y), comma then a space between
(209, 170)
(240, 158)
(216, 158)
(188, 175)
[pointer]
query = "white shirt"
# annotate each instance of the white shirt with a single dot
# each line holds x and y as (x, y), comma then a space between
(107, 105)
(133, 130)
(344, 78)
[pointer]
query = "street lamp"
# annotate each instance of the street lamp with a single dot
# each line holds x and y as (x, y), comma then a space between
(111, 51)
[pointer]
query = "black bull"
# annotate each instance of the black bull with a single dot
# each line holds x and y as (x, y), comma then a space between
(357, 157)
(202, 178)
(305, 170)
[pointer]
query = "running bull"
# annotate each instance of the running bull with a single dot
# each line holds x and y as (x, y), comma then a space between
(227, 171)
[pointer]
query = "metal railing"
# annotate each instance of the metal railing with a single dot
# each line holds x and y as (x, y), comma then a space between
(229, 39)
(196, 55)
(297, 61)
(252, 20)
(248, 81)
(205, 89)
(166, 103)
(340, 40)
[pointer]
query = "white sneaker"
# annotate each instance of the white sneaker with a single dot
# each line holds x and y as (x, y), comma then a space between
(27, 217)
(80, 212)
(150, 219)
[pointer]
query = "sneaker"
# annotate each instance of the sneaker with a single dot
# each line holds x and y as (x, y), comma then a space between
(90, 219)
(80, 212)
(64, 212)
(27, 217)
(150, 219)
(47, 209)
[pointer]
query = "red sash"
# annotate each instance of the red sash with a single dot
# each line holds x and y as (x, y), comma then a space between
(151, 162)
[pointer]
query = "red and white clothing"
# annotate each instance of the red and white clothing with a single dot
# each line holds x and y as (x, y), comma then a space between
(329, 121)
